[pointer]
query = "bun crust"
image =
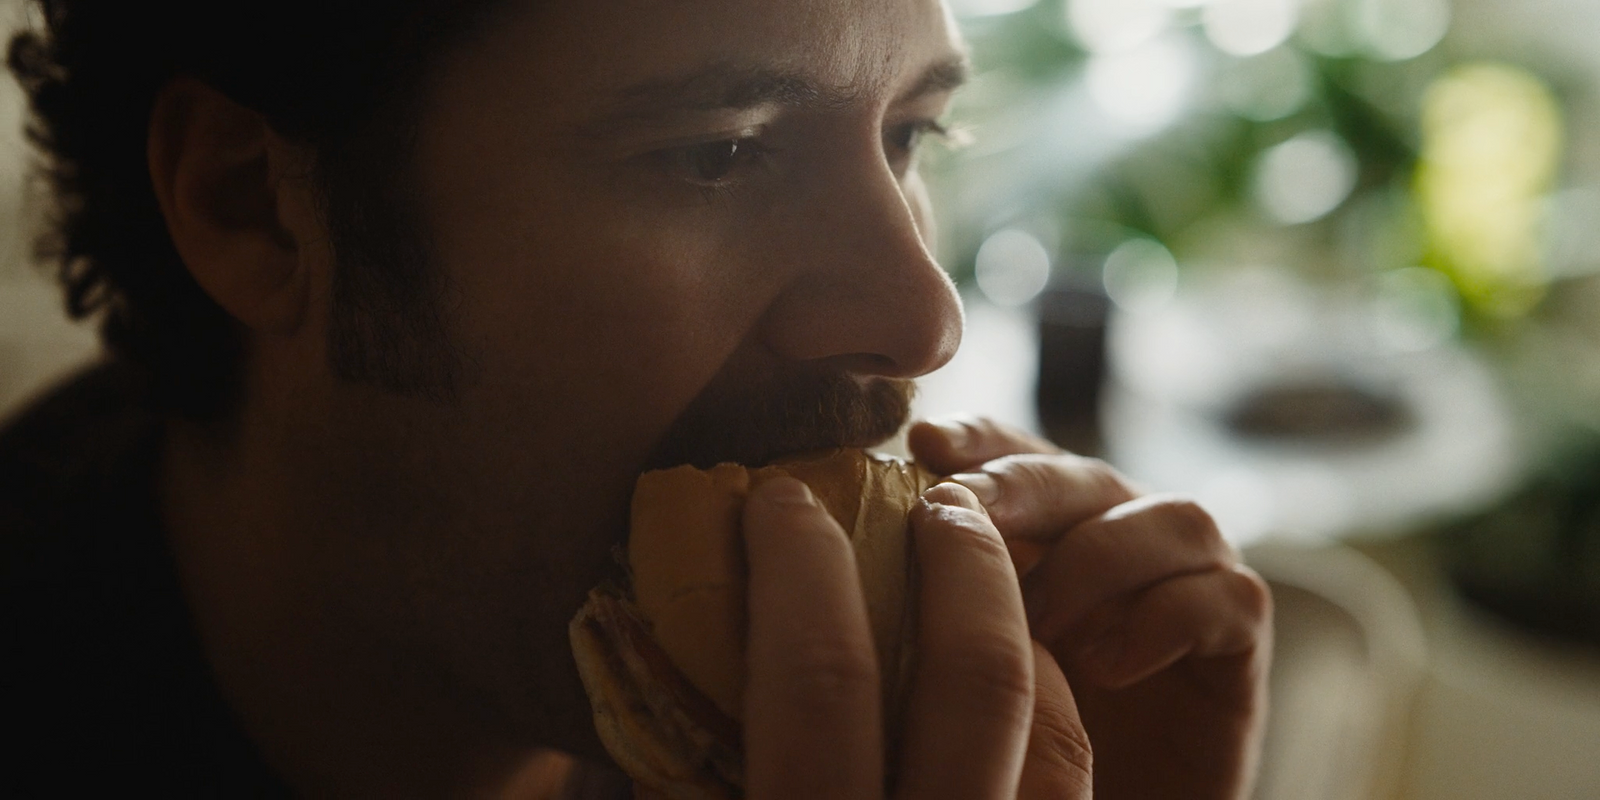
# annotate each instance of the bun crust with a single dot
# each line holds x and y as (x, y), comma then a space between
(665, 669)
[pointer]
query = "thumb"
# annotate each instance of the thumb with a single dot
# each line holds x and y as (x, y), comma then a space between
(1059, 763)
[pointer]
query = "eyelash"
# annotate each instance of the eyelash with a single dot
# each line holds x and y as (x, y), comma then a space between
(743, 152)
(737, 154)
(914, 132)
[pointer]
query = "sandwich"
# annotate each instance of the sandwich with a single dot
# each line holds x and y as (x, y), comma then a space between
(662, 660)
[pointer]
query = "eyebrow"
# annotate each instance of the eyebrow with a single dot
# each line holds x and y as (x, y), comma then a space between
(941, 78)
(731, 87)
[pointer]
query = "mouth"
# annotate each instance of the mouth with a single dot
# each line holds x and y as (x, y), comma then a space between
(783, 417)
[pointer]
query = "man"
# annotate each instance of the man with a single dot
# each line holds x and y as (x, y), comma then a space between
(431, 285)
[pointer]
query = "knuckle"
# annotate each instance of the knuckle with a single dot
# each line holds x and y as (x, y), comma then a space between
(1190, 514)
(1079, 473)
(1193, 523)
(995, 677)
(1000, 437)
(1254, 596)
(980, 426)
(1026, 473)
(1103, 478)
(831, 673)
(990, 432)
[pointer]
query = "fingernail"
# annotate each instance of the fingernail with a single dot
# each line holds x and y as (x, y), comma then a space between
(788, 492)
(982, 484)
(953, 495)
(956, 433)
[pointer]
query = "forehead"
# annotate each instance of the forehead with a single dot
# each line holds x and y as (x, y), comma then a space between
(597, 54)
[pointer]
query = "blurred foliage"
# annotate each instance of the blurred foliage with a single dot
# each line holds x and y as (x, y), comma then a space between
(1354, 145)
(1232, 177)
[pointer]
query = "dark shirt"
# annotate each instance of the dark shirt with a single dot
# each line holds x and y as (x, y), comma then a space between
(105, 687)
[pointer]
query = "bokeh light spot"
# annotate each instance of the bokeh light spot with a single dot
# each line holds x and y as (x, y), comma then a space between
(1396, 30)
(1012, 267)
(1113, 26)
(1305, 178)
(1249, 27)
(1140, 276)
(1492, 145)
(1145, 88)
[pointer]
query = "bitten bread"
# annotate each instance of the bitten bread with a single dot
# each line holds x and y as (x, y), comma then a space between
(663, 662)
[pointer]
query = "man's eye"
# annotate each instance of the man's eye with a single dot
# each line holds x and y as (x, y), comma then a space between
(712, 163)
(904, 139)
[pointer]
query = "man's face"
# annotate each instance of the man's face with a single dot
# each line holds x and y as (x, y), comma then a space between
(672, 231)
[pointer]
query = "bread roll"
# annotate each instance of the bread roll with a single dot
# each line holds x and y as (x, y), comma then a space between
(664, 664)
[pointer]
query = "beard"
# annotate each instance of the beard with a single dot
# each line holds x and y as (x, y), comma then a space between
(754, 421)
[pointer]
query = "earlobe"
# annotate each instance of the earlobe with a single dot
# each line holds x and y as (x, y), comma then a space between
(236, 203)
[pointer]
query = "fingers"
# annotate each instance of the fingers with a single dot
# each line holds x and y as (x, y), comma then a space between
(971, 704)
(953, 444)
(1041, 496)
(1135, 545)
(1209, 615)
(1131, 592)
(1059, 764)
(1032, 489)
(812, 718)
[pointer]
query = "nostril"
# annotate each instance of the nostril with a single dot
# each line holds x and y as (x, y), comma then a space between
(874, 364)
(862, 365)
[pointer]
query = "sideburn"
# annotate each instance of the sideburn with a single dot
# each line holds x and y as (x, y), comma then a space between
(390, 324)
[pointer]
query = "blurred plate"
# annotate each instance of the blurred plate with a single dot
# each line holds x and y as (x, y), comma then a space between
(1270, 401)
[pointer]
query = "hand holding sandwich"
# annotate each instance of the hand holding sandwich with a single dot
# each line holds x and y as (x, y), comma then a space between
(837, 624)
(1164, 636)
(987, 708)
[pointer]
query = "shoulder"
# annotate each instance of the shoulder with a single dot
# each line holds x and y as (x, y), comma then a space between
(76, 500)
(105, 682)
(83, 428)
(86, 600)
(73, 464)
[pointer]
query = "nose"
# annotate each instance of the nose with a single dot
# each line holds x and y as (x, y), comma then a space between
(867, 296)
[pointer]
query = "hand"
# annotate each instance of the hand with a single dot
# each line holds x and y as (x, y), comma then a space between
(989, 715)
(1164, 636)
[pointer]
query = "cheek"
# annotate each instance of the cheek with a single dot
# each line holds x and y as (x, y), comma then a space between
(589, 308)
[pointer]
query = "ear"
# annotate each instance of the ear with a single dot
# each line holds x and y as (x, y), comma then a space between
(238, 204)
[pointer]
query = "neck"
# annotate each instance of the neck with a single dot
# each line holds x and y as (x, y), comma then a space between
(338, 702)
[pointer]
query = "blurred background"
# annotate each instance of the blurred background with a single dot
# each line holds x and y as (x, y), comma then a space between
(37, 343)
(1331, 266)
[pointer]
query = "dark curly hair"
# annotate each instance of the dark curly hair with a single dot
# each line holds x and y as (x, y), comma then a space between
(341, 76)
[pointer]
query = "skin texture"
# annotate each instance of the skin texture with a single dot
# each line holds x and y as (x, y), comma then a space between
(1164, 635)
(382, 582)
